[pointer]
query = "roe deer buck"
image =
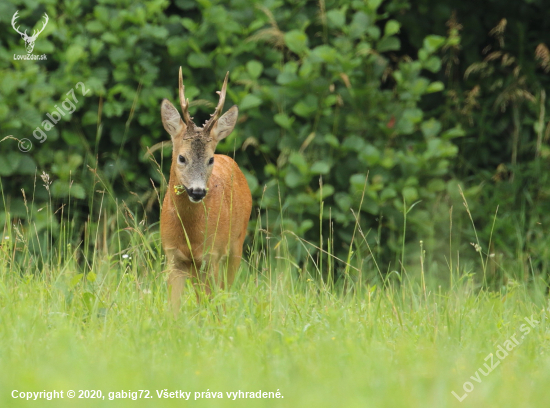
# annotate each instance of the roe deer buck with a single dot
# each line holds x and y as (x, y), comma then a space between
(208, 203)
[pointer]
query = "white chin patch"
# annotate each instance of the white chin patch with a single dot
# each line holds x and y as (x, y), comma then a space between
(194, 201)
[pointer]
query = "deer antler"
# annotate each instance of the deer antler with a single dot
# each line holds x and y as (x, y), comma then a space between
(184, 103)
(43, 27)
(15, 16)
(214, 117)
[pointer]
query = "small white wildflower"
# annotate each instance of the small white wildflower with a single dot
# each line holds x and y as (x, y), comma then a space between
(6, 237)
(125, 256)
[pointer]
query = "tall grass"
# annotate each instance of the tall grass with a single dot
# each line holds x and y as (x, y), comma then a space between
(89, 311)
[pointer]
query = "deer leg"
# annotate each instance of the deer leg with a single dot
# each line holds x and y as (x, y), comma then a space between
(234, 261)
(179, 272)
(176, 285)
(211, 277)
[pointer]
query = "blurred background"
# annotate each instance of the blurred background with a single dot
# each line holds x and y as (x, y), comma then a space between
(364, 125)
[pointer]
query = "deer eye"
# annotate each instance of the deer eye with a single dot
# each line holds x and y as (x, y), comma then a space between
(211, 161)
(181, 159)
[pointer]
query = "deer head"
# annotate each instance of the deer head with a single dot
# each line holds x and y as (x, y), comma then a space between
(29, 41)
(193, 146)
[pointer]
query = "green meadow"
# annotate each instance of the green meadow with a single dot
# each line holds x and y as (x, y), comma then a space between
(390, 341)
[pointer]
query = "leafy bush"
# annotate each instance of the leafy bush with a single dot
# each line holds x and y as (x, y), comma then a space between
(496, 88)
(328, 95)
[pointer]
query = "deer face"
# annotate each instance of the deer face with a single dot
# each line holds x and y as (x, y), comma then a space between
(193, 147)
(193, 162)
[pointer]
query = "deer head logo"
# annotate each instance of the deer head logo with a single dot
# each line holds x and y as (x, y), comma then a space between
(29, 41)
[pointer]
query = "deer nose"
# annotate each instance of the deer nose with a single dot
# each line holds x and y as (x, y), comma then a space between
(196, 194)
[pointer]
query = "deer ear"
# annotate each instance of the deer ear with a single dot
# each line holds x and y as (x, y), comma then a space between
(224, 125)
(171, 119)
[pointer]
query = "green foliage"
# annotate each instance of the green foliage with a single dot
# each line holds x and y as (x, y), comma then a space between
(322, 104)
(496, 90)
(344, 105)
